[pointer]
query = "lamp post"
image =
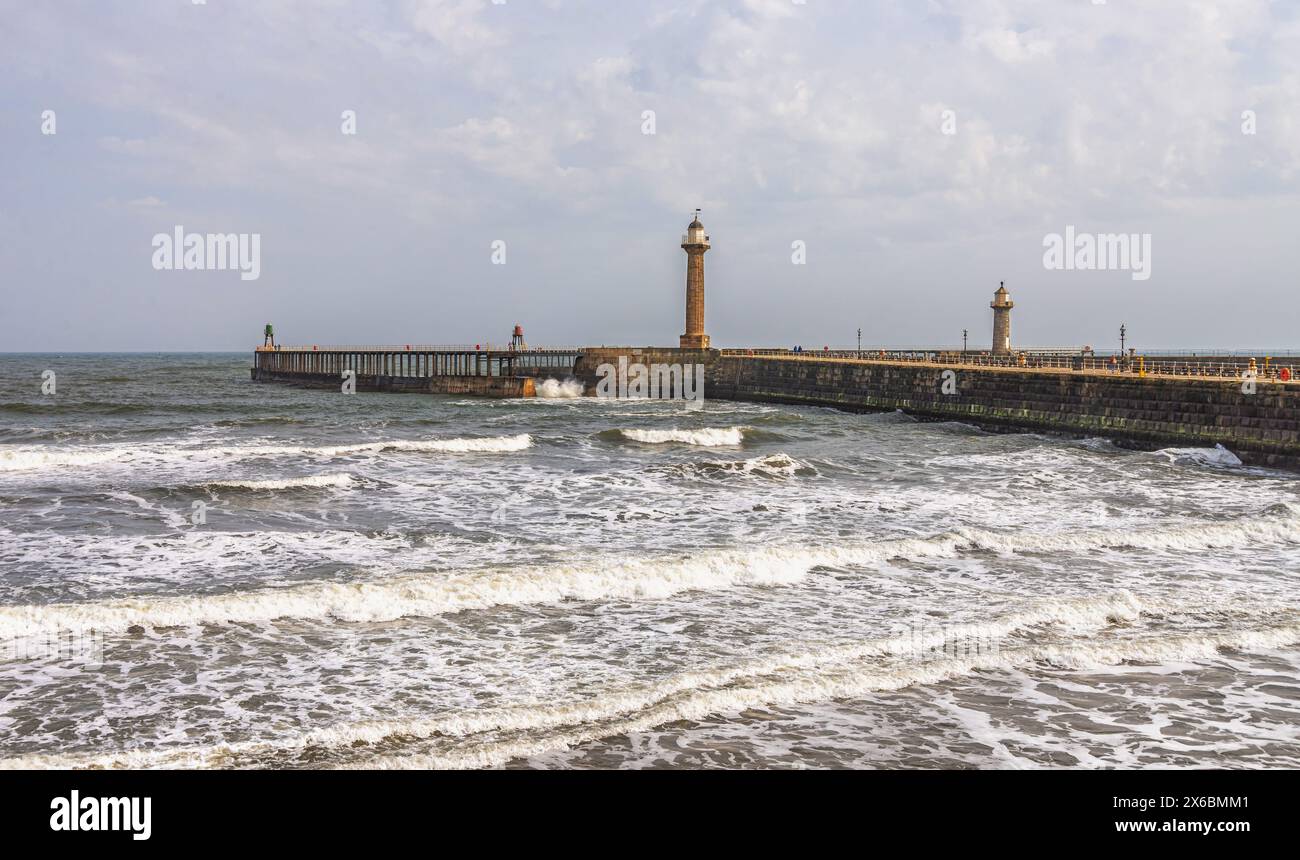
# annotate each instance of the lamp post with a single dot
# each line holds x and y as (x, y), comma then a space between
(964, 334)
(859, 342)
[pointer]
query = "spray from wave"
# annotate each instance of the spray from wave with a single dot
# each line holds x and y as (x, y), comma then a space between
(554, 389)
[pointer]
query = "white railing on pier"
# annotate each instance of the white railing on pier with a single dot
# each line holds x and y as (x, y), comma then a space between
(479, 347)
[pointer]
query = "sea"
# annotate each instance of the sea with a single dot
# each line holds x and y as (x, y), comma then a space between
(199, 571)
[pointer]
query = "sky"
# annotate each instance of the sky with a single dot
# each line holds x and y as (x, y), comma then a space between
(875, 165)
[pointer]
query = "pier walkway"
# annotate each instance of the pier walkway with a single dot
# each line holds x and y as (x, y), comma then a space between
(413, 361)
(1276, 367)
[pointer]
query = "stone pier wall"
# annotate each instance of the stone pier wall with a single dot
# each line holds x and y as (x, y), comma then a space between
(1144, 412)
(585, 371)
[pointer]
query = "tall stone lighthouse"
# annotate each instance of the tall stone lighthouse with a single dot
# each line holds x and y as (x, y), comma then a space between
(695, 242)
(1002, 306)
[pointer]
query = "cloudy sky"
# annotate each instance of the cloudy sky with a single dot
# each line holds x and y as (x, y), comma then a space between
(524, 122)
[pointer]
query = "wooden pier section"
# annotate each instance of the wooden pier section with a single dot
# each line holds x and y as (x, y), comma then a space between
(425, 369)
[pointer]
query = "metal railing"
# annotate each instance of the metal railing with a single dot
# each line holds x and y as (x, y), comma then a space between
(1207, 354)
(479, 347)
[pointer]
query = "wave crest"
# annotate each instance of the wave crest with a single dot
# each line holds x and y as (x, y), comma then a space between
(1216, 456)
(309, 482)
(710, 437)
(20, 459)
(426, 594)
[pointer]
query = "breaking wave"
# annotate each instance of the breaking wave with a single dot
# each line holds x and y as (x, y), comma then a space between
(488, 444)
(1216, 456)
(710, 437)
(428, 594)
(309, 482)
(19, 459)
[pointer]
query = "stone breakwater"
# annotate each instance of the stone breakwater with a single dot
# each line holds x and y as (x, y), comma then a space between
(1150, 412)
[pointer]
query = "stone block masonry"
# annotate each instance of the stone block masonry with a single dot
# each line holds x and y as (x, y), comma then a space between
(593, 357)
(1134, 411)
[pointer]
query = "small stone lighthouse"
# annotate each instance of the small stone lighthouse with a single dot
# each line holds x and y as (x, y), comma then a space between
(1002, 306)
(695, 242)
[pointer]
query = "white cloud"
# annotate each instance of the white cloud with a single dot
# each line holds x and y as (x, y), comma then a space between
(1012, 47)
(767, 112)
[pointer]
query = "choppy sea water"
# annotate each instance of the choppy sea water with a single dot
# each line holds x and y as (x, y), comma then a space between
(418, 581)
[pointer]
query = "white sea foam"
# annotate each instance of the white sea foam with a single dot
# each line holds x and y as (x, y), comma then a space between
(311, 481)
(792, 677)
(21, 459)
(554, 389)
(707, 436)
(604, 578)
(487, 444)
(1216, 456)
(417, 594)
(777, 465)
(102, 566)
(601, 718)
